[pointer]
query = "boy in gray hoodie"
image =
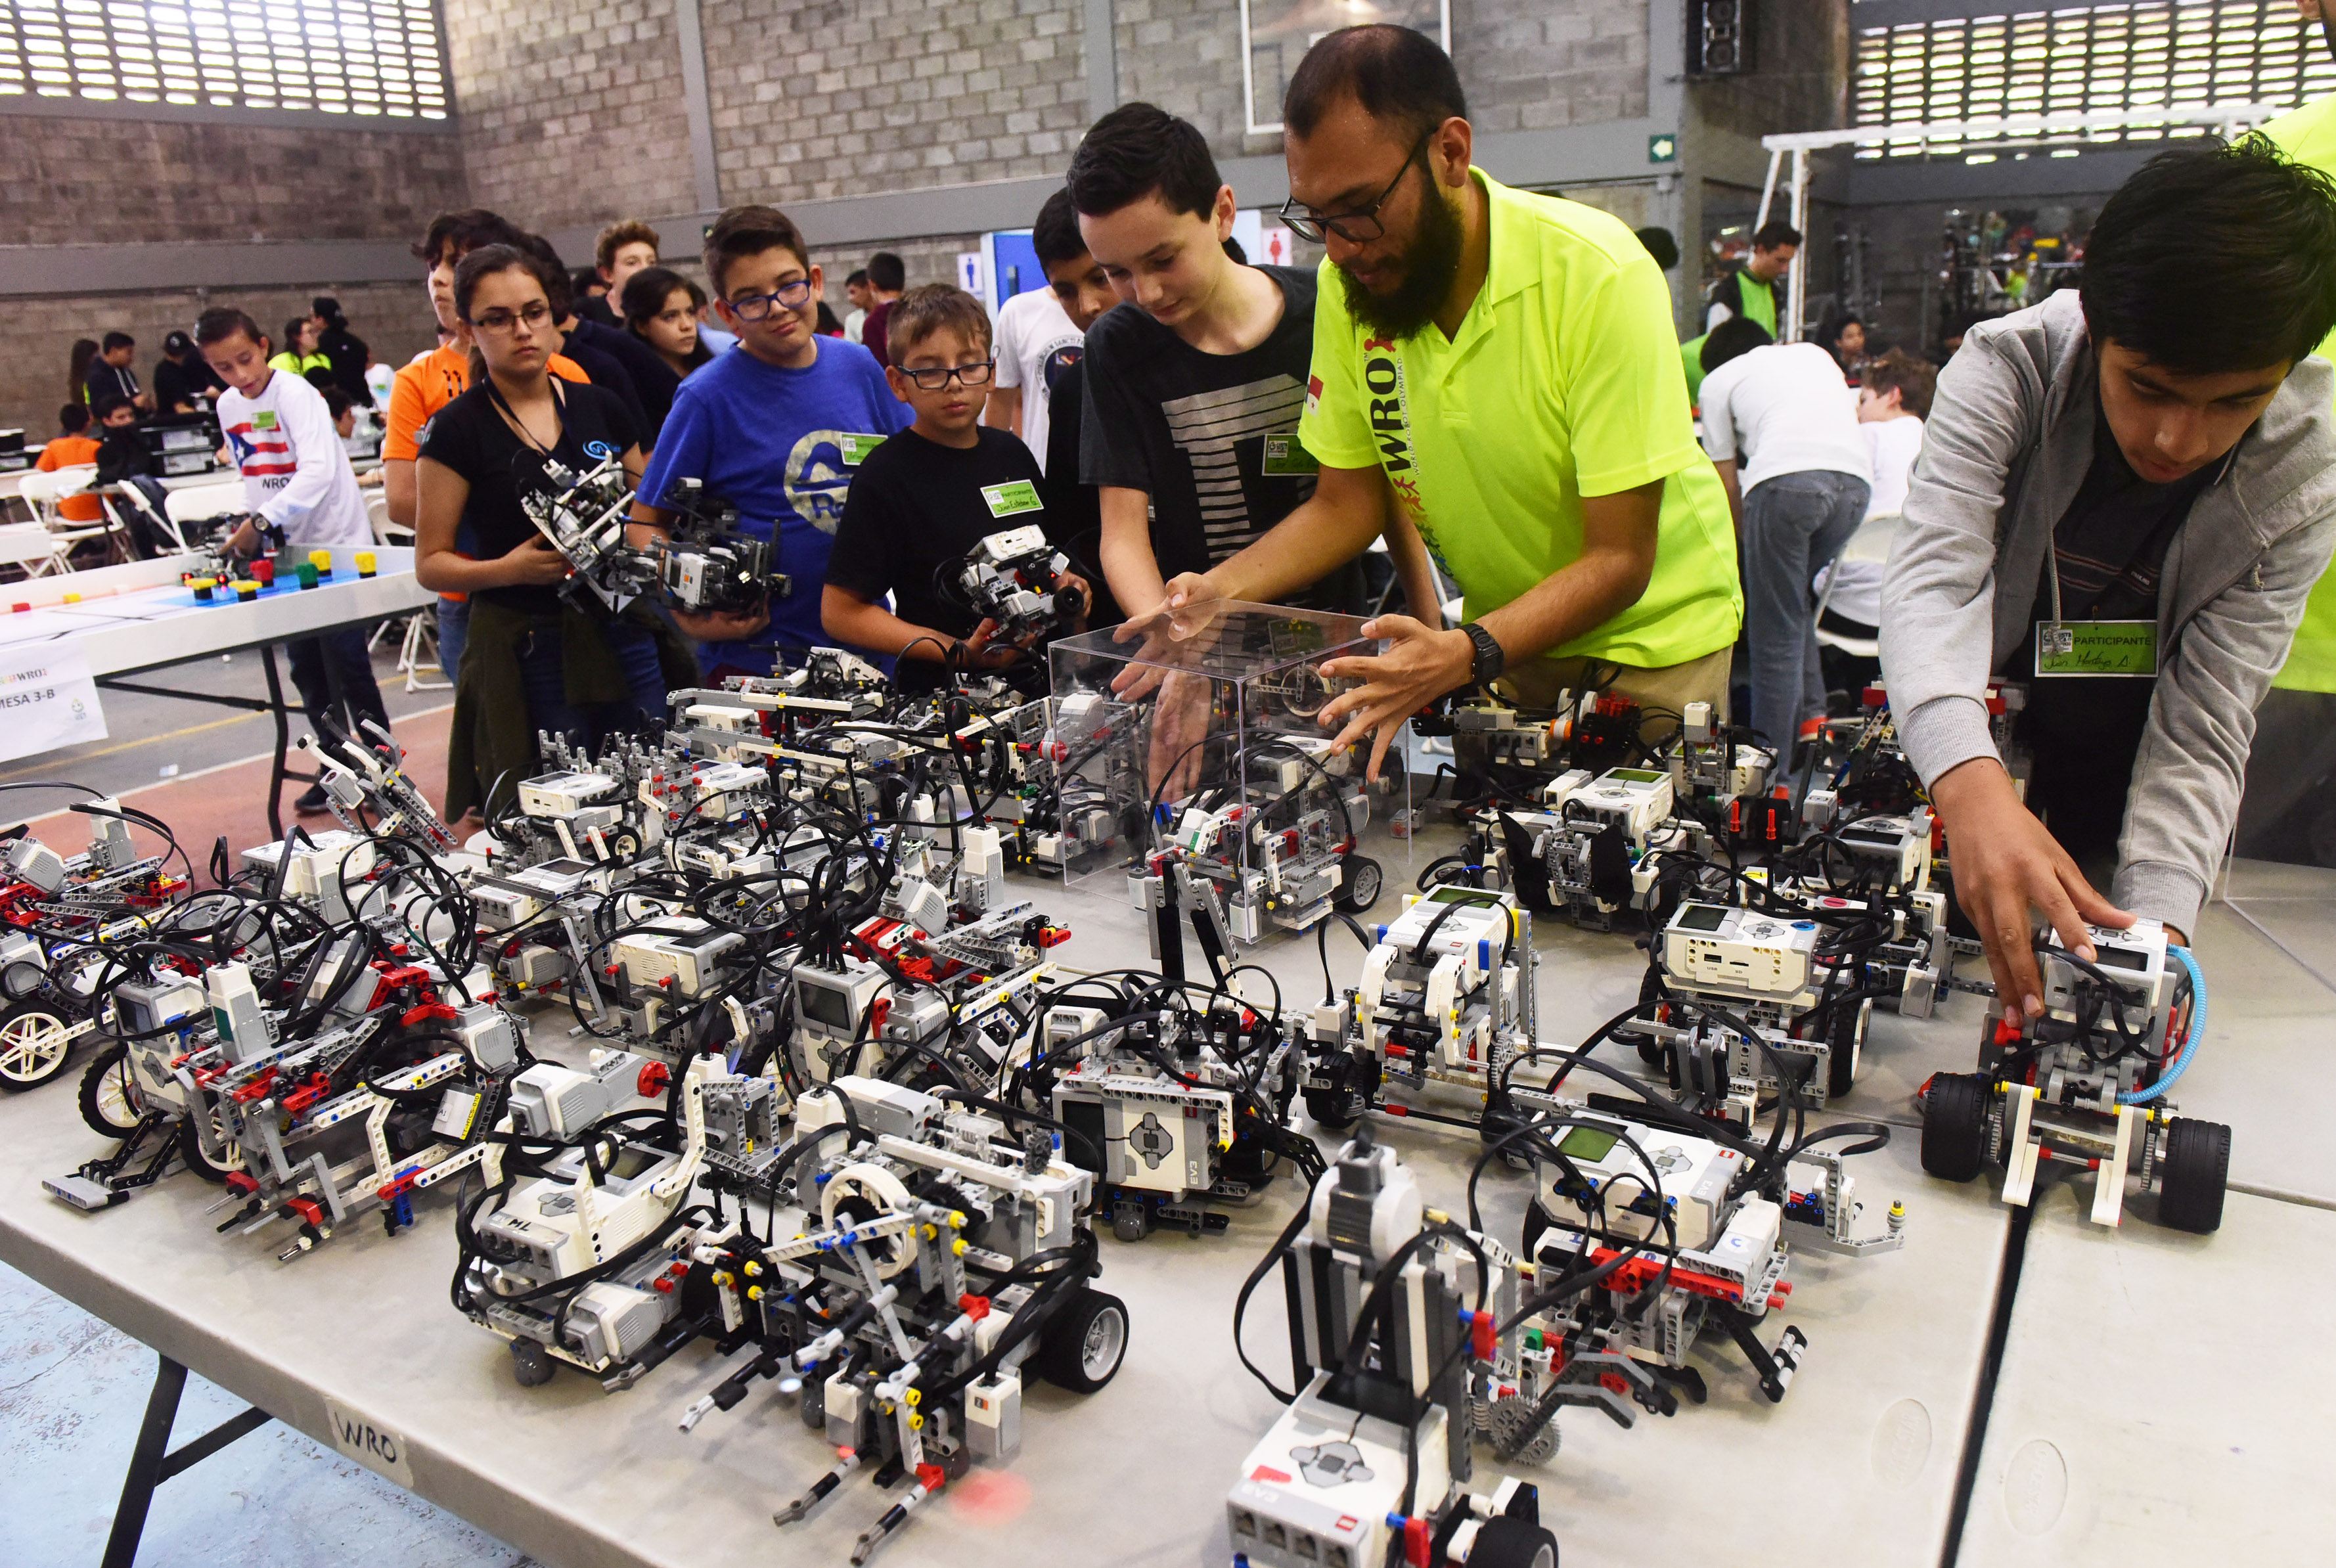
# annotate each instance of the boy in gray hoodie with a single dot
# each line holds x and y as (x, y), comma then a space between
(2124, 498)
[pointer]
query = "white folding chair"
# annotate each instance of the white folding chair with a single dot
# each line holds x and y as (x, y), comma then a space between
(1869, 545)
(32, 547)
(44, 492)
(197, 504)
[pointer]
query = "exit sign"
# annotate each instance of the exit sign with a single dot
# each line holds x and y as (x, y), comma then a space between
(1663, 148)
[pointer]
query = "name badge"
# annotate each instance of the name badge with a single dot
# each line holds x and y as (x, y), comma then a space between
(263, 419)
(1014, 496)
(1286, 457)
(856, 448)
(2122, 647)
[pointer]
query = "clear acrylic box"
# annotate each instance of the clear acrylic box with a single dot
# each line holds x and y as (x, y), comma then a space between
(1201, 734)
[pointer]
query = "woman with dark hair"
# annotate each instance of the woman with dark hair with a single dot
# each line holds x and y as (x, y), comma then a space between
(83, 356)
(661, 309)
(1844, 336)
(344, 349)
(301, 356)
(536, 659)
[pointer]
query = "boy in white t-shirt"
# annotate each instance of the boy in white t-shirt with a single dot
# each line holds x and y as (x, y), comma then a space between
(1892, 400)
(1038, 337)
(295, 477)
(1781, 413)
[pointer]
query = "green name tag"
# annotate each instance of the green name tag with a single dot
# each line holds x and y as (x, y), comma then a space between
(263, 419)
(1287, 458)
(2097, 648)
(1016, 496)
(856, 448)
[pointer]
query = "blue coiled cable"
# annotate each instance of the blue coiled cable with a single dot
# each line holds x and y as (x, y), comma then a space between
(2190, 1042)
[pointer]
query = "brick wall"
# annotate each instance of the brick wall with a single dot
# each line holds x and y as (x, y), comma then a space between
(570, 112)
(76, 181)
(37, 335)
(1526, 65)
(890, 95)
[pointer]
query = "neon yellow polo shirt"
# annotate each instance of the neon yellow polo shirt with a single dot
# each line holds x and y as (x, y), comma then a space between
(1564, 382)
(2309, 136)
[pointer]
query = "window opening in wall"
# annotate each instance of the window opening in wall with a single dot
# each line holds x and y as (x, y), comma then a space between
(1276, 35)
(365, 59)
(2148, 55)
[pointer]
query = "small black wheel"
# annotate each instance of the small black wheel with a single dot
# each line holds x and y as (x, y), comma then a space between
(1845, 1042)
(1503, 1541)
(1085, 1343)
(190, 1149)
(623, 845)
(2197, 1164)
(1333, 1109)
(532, 1364)
(111, 1100)
(1359, 889)
(1954, 1126)
(1651, 997)
(33, 1046)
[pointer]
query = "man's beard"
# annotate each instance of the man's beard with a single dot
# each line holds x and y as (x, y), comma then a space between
(1430, 262)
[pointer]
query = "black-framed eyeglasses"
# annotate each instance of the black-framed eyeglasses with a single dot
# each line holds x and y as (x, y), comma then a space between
(934, 377)
(1356, 226)
(536, 313)
(786, 297)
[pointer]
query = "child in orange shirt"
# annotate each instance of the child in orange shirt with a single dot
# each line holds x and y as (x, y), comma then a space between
(73, 449)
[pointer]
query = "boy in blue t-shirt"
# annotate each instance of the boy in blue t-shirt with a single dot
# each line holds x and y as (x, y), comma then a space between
(775, 427)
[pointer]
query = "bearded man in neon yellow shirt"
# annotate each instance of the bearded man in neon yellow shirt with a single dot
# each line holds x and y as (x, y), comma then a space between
(1494, 373)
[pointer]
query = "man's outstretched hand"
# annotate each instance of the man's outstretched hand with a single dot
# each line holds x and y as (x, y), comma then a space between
(1419, 665)
(2004, 861)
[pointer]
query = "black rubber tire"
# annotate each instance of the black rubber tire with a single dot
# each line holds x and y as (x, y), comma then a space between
(1360, 886)
(1651, 992)
(1954, 1127)
(1506, 1542)
(1333, 1109)
(532, 1364)
(190, 1150)
(45, 1055)
(1085, 1343)
(96, 1094)
(2191, 1182)
(1847, 1042)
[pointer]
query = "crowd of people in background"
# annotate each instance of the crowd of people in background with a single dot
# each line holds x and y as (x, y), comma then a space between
(1187, 426)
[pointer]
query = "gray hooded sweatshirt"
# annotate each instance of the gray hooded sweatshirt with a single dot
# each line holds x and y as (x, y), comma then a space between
(2008, 443)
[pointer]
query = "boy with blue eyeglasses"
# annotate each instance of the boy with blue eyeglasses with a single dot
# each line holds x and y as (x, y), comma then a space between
(775, 427)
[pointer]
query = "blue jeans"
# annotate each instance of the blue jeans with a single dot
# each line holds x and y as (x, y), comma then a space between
(543, 666)
(454, 632)
(1794, 525)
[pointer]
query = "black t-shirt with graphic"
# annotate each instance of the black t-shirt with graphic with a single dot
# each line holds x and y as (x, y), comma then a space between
(915, 505)
(470, 436)
(1191, 430)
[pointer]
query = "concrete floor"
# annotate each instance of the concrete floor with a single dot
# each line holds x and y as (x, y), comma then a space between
(72, 1390)
(70, 1408)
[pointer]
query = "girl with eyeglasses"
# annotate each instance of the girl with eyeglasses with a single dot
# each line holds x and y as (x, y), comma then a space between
(535, 659)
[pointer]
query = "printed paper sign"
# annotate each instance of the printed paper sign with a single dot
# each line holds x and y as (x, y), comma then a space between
(1012, 497)
(369, 1444)
(47, 700)
(2098, 648)
(856, 448)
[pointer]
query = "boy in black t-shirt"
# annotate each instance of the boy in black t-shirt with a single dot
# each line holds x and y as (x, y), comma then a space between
(1193, 384)
(929, 495)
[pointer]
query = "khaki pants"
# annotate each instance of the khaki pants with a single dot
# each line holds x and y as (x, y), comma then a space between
(1664, 693)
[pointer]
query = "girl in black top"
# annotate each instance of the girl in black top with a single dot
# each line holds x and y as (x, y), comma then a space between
(533, 661)
(661, 309)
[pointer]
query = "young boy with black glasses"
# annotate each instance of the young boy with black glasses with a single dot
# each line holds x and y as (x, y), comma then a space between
(931, 495)
(777, 430)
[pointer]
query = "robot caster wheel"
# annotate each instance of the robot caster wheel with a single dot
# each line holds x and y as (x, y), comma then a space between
(532, 1364)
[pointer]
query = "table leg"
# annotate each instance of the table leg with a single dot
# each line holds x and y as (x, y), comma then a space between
(283, 742)
(150, 1462)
